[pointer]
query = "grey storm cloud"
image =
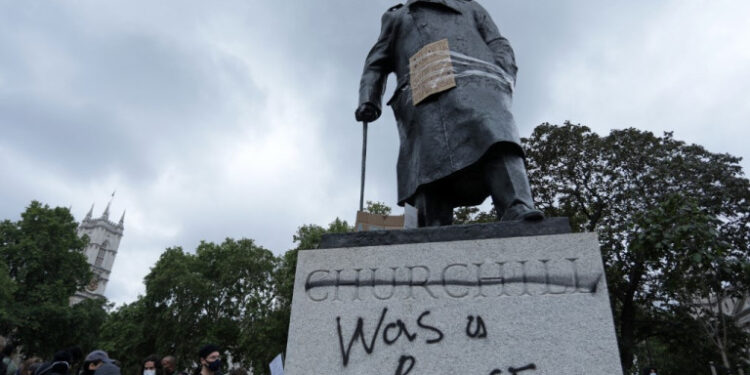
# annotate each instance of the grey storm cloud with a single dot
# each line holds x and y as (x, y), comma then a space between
(234, 118)
(102, 99)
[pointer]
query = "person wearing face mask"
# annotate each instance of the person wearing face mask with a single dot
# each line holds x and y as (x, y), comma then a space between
(210, 360)
(151, 366)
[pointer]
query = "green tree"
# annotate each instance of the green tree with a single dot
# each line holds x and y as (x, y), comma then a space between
(125, 335)
(309, 236)
(83, 324)
(235, 294)
(704, 277)
(269, 337)
(378, 208)
(472, 215)
(693, 272)
(666, 213)
(7, 288)
(42, 256)
(222, 294)
(675, 346)
(206, 297)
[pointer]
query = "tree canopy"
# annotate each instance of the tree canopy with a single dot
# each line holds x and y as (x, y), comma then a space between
(219, 294)
(41, 266)
(235, 294)
(672, 220)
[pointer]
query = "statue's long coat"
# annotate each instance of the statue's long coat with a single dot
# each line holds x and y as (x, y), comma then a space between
(450, 131)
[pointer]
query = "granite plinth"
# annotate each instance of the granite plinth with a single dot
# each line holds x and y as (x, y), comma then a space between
(555, 225)
(522, 305)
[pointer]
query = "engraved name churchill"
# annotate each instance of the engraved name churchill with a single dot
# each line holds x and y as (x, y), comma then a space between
(456, 280)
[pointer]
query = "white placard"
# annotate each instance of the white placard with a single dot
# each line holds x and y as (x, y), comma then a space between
(277, 367)
(431, 71)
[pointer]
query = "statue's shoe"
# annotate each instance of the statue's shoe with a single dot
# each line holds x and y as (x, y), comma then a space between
(522, 212)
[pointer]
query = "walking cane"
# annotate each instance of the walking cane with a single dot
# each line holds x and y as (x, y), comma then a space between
(364, 158)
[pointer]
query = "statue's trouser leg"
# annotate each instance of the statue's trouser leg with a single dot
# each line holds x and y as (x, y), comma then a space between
(505, 175)
(432, 210)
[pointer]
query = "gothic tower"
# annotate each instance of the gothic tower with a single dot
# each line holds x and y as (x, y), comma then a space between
(104, 239)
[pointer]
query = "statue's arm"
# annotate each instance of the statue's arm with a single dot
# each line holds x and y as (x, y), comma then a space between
(378, 65)
(501, 49)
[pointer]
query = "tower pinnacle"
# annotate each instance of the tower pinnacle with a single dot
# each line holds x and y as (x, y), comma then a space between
(105, 214)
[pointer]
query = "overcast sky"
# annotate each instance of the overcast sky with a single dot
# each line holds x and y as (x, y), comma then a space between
(234, 118)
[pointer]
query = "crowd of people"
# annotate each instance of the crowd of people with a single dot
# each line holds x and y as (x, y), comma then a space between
(72, 361)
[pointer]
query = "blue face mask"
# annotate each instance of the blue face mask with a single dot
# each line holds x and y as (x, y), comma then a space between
(215, 365)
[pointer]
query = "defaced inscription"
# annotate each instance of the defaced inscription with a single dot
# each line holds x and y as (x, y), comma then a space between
(456, 281)
(420, 331)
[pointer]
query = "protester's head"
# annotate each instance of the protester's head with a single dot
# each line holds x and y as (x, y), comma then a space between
(94, 360)
(151, 365)
(238, 371)
(210, 357)
(60, 364)
(169, 364)
(62, 356)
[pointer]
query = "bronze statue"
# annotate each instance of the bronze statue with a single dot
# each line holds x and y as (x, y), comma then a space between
(456, 75)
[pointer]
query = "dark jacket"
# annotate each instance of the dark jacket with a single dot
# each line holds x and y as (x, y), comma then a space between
(53, 368)
(452, 130)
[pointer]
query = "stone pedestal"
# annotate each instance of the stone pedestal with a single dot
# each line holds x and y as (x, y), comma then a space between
(517, 305)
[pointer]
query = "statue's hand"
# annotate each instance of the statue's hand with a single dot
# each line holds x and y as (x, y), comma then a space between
(367, 112)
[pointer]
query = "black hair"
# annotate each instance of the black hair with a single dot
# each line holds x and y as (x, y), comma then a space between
(206, 350)
(152, 358)
(62, 356)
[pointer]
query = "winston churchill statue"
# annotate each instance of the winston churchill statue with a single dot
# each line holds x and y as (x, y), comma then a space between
(459, 142)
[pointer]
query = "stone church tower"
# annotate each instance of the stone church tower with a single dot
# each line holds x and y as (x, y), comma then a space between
(104, 239)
